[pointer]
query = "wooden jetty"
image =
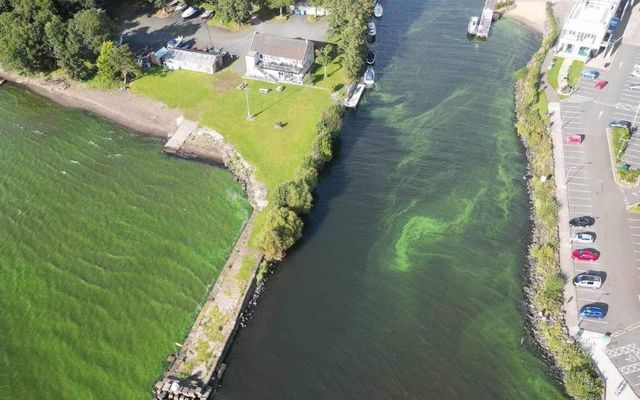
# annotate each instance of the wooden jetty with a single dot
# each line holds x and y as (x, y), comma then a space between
(486, 18)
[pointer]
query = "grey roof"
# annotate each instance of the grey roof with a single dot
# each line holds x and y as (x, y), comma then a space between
(192, 56)
(279, 46)
(631, 156)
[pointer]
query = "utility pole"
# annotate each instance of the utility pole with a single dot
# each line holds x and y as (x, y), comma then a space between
(246, 96)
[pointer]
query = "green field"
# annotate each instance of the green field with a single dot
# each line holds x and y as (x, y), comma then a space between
(574, 72)
(215, 102)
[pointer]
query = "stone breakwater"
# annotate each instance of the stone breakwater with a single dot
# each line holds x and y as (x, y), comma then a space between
(195, 372)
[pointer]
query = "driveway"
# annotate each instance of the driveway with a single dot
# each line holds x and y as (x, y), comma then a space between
(150, 32)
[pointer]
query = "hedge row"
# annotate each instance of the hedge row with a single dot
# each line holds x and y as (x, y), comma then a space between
(294, 198)
(580, 378)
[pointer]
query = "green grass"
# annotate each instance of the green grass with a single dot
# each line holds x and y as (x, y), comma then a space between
(619, 141)
(335, 76)
(215, 102)
(574, 72)
(552, 74)
(244, 273)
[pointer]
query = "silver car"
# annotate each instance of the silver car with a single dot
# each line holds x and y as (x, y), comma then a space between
(588, 281)
(584, 237)
(635, 87)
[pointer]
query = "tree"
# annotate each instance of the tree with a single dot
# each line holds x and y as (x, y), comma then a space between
(116, 61)
(295, 195)
(279, 4)
(235, 10)
(281, 230)
(106, 69)
(324, 57)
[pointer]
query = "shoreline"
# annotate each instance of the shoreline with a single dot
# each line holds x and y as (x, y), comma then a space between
(143, 115)
(522, 10)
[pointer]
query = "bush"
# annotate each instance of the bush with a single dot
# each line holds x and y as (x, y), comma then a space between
(282, 229)
(583, 384)
(295, 195)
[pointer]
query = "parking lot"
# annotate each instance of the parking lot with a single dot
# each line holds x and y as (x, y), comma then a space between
(592, 191)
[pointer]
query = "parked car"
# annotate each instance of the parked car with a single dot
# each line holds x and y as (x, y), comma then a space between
(635, 87)
(636, 73)
(587, 281)
(189, 12)
(583, 237)
(585, 254)
(601, 84)
(585, 221)
(593, 311)
(590, 74)
(574, 139)
(620, 123)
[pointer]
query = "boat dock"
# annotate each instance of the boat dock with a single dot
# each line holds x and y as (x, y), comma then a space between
(486, 18)
(175, 142)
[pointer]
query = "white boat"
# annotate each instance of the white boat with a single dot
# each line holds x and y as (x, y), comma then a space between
(174, 42)
(180, 7)
(472, 28)
(189, 12)
(369, 76)
(372, 28)
(377, 10)
(354, 93)
(207, 14)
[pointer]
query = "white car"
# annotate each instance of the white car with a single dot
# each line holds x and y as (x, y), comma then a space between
(584, 237)
(588, 281)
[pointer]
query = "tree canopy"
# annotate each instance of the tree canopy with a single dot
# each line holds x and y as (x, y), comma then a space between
(348, 27)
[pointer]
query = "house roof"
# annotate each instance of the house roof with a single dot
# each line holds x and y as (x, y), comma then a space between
(279, 46)
(197, 57)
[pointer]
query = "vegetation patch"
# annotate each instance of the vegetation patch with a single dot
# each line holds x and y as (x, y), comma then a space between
(619, 141)
(552, 74)
(574, 72)
(244, 273)
(580, 378)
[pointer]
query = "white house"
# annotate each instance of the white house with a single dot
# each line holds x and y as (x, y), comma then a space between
(588, 28)
(279, 59)
(198, 61)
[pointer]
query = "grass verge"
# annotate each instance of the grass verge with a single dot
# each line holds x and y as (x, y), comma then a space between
(619, 140)
(574, 72)
(552, 74)
(580, 378)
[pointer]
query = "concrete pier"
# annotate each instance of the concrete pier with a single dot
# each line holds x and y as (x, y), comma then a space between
(175, 142)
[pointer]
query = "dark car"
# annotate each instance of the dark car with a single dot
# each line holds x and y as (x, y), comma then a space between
(593, 311)
(620, 123)
(582, 221)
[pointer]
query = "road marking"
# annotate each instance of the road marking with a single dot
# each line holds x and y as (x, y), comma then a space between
(584, 191)
(600, 115)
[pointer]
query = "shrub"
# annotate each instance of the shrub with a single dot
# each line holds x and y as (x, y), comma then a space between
(282, 229)
(583, 384)
(295, 195)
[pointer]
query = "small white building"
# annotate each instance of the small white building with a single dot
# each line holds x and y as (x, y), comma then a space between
(279, 59)
(587, 29)
(198, 61)
(302, 8)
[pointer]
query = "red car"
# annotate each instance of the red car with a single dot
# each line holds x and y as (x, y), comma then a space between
(574, 139)
(601, 84)
(585, 254)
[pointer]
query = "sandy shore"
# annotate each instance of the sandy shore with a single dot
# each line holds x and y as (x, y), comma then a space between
(529, 12)
(141, 114)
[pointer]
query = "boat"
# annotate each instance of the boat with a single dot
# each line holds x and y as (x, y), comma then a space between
(472, 28)
(189, 12)
(180, 6)
(353, 95)
(2, 81)
(207, 14)
(371, 58)
(371, 28)
(175, 42)
(377, 10)
(369, 76)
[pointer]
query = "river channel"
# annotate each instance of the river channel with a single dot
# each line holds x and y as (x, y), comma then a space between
(408, 283)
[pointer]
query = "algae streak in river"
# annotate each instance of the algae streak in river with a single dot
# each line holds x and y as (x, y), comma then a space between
(107, 248)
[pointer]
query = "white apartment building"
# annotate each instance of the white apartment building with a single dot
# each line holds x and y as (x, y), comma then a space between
(588, 28)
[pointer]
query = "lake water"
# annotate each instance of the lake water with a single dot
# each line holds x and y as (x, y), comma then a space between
(408, 282)
(107, 247)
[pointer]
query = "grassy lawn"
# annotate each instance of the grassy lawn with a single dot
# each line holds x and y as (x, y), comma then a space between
(552, 74)
(543, 106)
(635, 208)
(335, 76)
(215, 102)
(619, 140)
(574, 72)
(244, 273)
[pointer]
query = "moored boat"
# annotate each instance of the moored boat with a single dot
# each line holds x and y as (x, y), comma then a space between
(472, 28)
(371, 26)
(377, 10)
(371, 57)
(189, 12)
(369, 76)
